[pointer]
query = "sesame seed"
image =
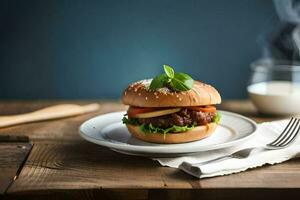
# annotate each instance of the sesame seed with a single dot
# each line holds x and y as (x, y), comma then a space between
(135, 90)
(157, 97)
(180, 99)
(139, 94)
(146, 98)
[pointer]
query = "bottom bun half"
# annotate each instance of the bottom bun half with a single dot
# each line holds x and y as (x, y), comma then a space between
(197, 133)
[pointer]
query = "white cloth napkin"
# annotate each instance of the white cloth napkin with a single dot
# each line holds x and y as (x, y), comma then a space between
(266, 133)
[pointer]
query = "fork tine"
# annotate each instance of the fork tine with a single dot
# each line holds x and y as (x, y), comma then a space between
(284, 132)
(288, 133)
(292, 136)
(290, 141)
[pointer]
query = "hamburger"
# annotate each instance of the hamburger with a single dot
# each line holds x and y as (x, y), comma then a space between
(171, 108)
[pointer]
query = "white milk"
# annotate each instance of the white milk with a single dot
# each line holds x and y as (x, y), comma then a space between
(276, 97)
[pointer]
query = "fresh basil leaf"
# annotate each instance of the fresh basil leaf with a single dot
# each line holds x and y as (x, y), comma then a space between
(158, 81)
(181, 82)
(169, 71)
(217, 118)
(175, 81)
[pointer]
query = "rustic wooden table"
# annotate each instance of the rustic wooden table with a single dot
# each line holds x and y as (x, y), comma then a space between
(57, 163)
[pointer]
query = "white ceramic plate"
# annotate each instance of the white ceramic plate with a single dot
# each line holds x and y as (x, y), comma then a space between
(107, 130)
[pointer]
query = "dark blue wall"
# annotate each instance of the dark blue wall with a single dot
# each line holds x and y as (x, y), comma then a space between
(93, 49)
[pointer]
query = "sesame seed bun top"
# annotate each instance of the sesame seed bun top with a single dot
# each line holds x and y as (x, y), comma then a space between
(138, 94)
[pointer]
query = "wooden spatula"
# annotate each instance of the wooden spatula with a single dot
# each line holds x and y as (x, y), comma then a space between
(52, 112)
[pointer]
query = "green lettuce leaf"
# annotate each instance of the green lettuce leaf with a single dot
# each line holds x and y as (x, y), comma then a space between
(132, 121)
(217, 118)
(149, 128)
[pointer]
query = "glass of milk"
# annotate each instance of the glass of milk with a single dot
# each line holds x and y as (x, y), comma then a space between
(274, 87)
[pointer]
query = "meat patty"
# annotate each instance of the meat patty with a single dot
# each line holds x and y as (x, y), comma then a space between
(182, 118)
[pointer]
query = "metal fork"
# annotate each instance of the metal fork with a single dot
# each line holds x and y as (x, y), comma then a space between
(286, 138)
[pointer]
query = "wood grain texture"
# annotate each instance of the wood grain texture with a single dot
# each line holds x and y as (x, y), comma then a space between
(84, 165)
(12, 155)
(53, 130)
(83, 194)
(63, 165)
(157, 194)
